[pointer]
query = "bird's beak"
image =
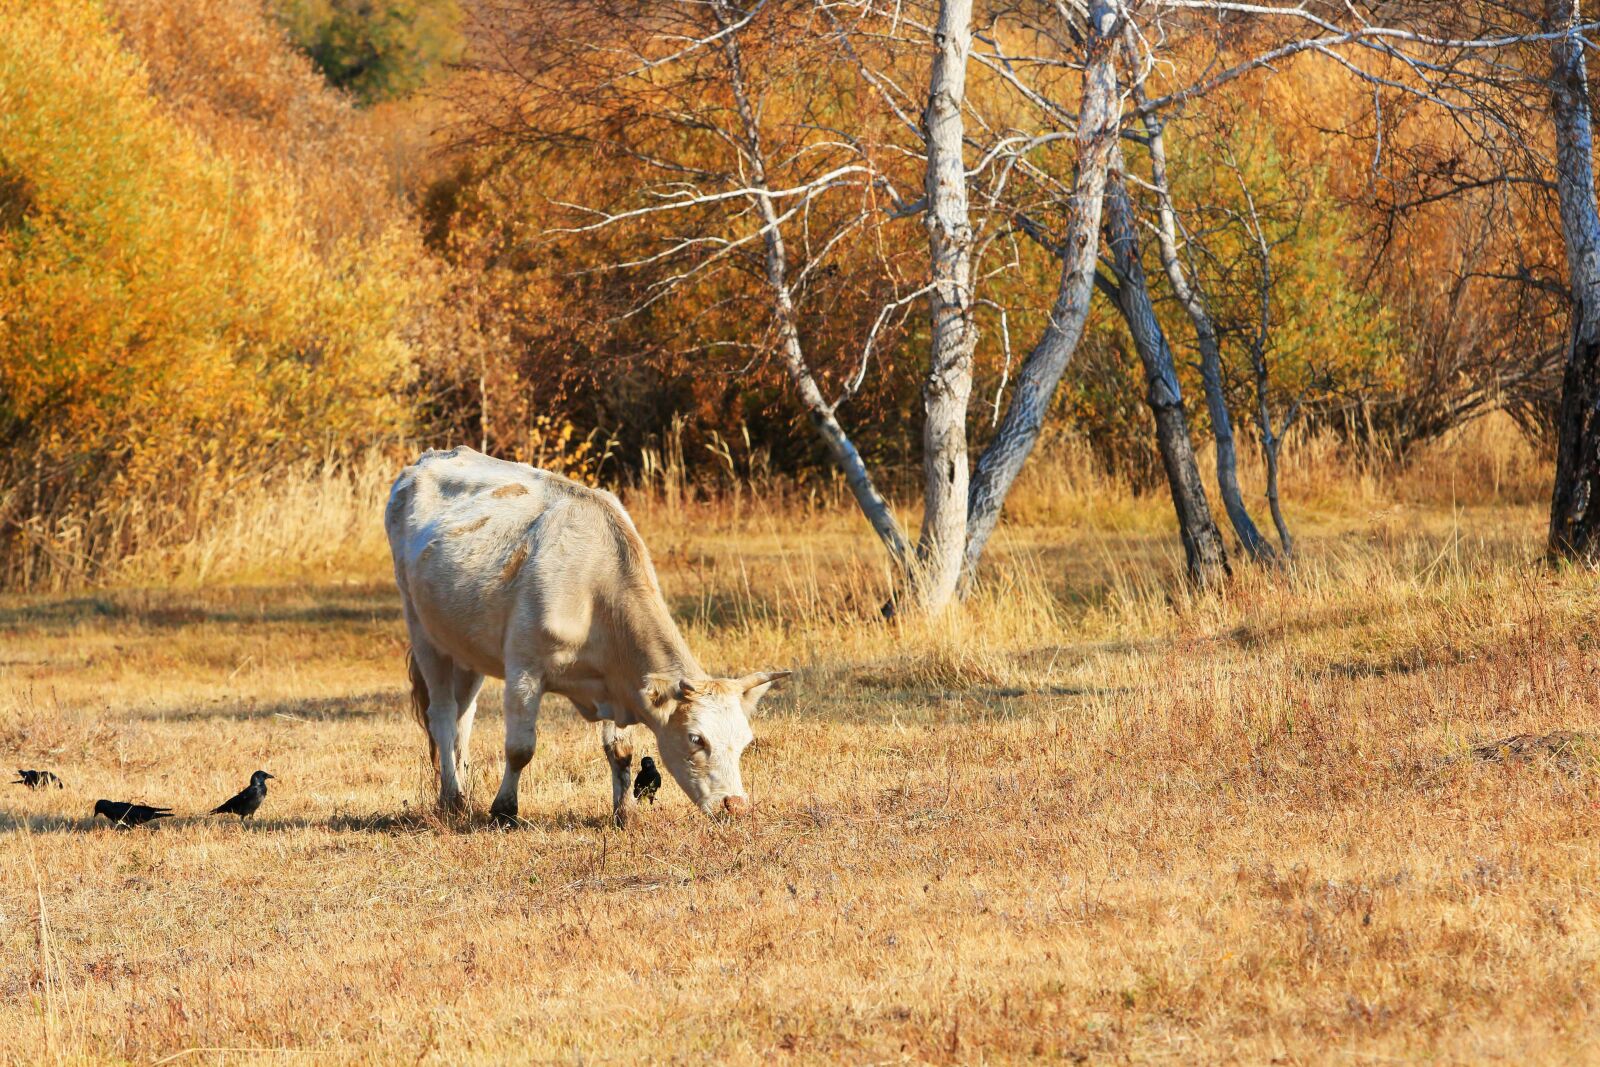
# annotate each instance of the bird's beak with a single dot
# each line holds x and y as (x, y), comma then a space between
(272, 776)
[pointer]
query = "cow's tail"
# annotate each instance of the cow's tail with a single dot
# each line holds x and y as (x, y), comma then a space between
(419, 701)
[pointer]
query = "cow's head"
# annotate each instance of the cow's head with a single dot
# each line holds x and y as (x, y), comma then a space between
(703, 726)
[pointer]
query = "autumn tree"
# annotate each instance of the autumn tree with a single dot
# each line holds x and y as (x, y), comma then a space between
(1477, 62)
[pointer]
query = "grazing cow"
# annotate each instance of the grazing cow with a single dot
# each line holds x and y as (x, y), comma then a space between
(515, 572)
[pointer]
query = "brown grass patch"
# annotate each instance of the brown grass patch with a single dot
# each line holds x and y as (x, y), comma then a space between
(1568, 748)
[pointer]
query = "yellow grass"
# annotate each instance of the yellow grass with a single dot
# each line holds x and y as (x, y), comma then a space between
(1085, 817)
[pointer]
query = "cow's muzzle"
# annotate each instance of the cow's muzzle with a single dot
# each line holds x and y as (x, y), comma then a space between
(735, 805)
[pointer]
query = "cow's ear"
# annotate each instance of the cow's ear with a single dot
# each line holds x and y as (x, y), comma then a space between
(664, 689)
(755, 685)
(661, 689)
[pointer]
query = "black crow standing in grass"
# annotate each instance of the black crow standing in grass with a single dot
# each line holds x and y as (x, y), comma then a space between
(245, 802)
(124, 815)
(648, 781)
(37, 779)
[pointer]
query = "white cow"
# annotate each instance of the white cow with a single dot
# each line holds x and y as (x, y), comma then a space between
(515, 572)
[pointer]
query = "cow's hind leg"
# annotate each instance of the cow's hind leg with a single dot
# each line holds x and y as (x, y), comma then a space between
(439, 675)
(467, 685)
(523, 692)
(619, 753)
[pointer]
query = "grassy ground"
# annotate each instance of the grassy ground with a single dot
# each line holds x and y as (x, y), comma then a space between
(1087, 817)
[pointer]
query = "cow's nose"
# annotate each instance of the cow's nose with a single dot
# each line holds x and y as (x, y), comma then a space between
(735, 805)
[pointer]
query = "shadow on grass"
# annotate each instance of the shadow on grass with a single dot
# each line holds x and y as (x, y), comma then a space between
(161, 609)
(719, 610)
(1414, 661)
(394, 824)
(875, 705)
(329, 709)
(71, 610)
(473, 822)
(11, 823)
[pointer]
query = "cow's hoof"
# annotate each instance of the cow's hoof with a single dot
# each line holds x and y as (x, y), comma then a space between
(622, 818)
(505, 819)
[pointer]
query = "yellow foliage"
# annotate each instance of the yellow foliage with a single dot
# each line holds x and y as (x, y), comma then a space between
(172, 304)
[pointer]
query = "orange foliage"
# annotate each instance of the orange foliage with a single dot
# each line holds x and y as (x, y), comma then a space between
(188, 293)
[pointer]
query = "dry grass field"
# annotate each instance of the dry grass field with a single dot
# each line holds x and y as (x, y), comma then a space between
(1087, 818)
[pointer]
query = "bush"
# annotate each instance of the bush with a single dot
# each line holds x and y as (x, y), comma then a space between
(173, 314)
(376, 49)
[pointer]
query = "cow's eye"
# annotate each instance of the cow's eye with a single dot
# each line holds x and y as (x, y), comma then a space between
(697, 741)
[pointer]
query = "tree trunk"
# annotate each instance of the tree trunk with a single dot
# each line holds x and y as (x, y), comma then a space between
(1271, 440)
(1202, 542)
(1205, 331)
(845, 455)
(1575, 504)
(1040, 374)
(948, 386)
(1273, 500)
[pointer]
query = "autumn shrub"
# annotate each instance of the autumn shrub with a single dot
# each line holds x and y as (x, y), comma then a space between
(178, 314)
(1399, 310)
(1469, 272)
(376, 49)
(623, 330)
(1328, 337)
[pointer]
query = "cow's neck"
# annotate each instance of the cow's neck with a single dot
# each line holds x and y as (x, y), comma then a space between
(653, 645)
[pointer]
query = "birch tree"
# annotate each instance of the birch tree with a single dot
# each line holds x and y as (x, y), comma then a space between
(948, 386)
(822, 413)
(1575, 503)
(669, 91)
(1195, 305)
(656, 79)
(1204, 552)
(1098, 120)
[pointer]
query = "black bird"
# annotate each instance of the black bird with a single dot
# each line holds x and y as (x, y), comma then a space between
(647, 782)
(37, 779)
(123, 814)
(245, 802)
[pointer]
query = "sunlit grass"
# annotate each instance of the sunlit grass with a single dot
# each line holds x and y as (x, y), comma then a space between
(1087, 815)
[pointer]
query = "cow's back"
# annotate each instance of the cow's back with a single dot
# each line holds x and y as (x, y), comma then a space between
(483, 547)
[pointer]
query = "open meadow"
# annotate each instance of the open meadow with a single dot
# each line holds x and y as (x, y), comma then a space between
(1148, 448)
(1089, 817)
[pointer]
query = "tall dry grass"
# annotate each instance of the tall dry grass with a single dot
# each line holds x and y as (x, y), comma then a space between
(323, 520)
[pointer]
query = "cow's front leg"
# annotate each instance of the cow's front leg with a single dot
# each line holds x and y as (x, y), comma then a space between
(619, 753)
(523, 691)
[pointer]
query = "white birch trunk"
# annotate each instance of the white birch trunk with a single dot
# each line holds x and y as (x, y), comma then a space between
(844, 452)
(1001, 462)
(948, 387)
